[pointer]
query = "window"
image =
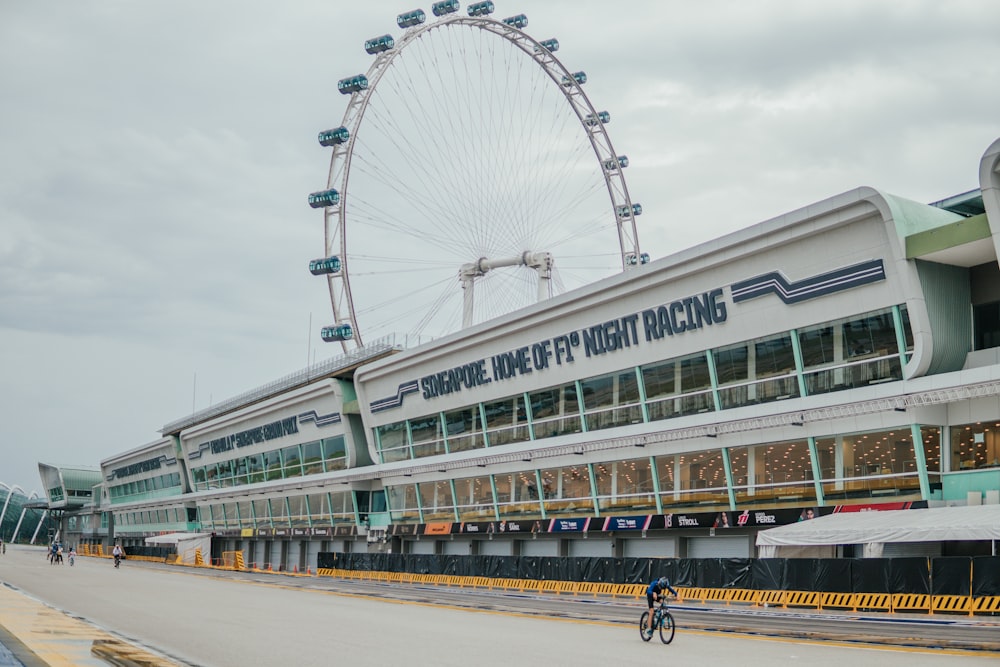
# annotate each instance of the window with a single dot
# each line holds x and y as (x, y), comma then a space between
(427, 436)
(334, 453)
(463, 430)
(312, 457)
(986, 325)
(975, 446)
(625, 485)
(291, 459)
(392, 442)
(678, 387)
(555, 411)
(506, 421)
(611, 400)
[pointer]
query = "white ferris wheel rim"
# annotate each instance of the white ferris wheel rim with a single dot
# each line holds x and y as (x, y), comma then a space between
(336, 218)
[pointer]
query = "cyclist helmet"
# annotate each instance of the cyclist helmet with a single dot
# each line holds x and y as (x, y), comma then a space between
(663, 582)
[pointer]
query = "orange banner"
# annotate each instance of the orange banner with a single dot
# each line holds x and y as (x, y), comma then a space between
(437, 529)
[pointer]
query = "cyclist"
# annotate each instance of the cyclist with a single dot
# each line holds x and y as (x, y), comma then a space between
(117, 552)
(654, 593)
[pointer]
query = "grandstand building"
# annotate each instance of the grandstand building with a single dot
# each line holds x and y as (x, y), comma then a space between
(842, 356)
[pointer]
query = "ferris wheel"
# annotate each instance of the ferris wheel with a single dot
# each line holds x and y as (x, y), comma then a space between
(471, 176)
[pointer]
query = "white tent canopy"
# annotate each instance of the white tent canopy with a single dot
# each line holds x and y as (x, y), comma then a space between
(935, 524)
(174, 538)
(188, 544)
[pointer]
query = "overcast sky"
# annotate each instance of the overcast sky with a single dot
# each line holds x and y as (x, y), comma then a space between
(155, 158)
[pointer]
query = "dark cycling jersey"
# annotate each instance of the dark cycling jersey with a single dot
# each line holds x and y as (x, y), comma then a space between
(654, 588)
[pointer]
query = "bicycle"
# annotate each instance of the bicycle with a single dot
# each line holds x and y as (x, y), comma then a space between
(662, 620)
(118, 560)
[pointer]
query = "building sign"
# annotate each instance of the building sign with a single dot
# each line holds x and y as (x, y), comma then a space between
(136, 468)
(677, 317)
(253, 436)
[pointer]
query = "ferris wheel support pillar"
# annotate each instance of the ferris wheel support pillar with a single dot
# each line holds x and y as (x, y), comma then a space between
(541, 262)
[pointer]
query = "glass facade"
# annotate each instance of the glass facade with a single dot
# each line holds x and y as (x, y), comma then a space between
(833, 356)
(975, 446)
(880, 465)
(311, 458)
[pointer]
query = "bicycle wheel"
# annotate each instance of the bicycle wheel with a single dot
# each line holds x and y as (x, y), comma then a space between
(667, 627)
(642, 627)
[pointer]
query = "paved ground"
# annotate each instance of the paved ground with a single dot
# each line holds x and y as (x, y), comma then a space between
(273, 620)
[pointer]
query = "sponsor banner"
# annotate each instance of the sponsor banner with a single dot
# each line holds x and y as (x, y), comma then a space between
(301, 532)
(477, 527)
(518, 526)
(282, 532)
(437, 529)
(248, 532)
(568, 525)
(748, 518)
(625, 523)
(322, 531)
(265, 532)
(344, 530)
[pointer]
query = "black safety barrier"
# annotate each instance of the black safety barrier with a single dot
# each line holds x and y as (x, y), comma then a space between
(736, 573)
(870, 575)
(908, 575)
(831, 575)
(985, 576)
(768, 574)
(950, 576)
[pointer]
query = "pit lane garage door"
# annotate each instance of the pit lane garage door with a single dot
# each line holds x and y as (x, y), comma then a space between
(729, 546)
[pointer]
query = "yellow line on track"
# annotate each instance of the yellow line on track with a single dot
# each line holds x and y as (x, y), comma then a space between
(60, 640)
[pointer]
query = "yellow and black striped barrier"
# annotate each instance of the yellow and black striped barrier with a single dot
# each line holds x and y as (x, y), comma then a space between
(855, 602)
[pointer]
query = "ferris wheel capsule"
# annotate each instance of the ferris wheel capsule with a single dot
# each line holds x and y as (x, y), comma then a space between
(352, 84)
(481, 8)
(579, 77)
(324, 266)
(626, 212)
(379, 44)
(519, 21)
(551, 45)
(336, 333)
(324, 198)
(410, 19)
(338, 135)
(619, 162)
(445, 7)
(599, 118)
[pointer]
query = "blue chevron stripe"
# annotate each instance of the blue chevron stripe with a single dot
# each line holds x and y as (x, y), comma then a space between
(775, 282)
(320, 420)
(397, 400)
